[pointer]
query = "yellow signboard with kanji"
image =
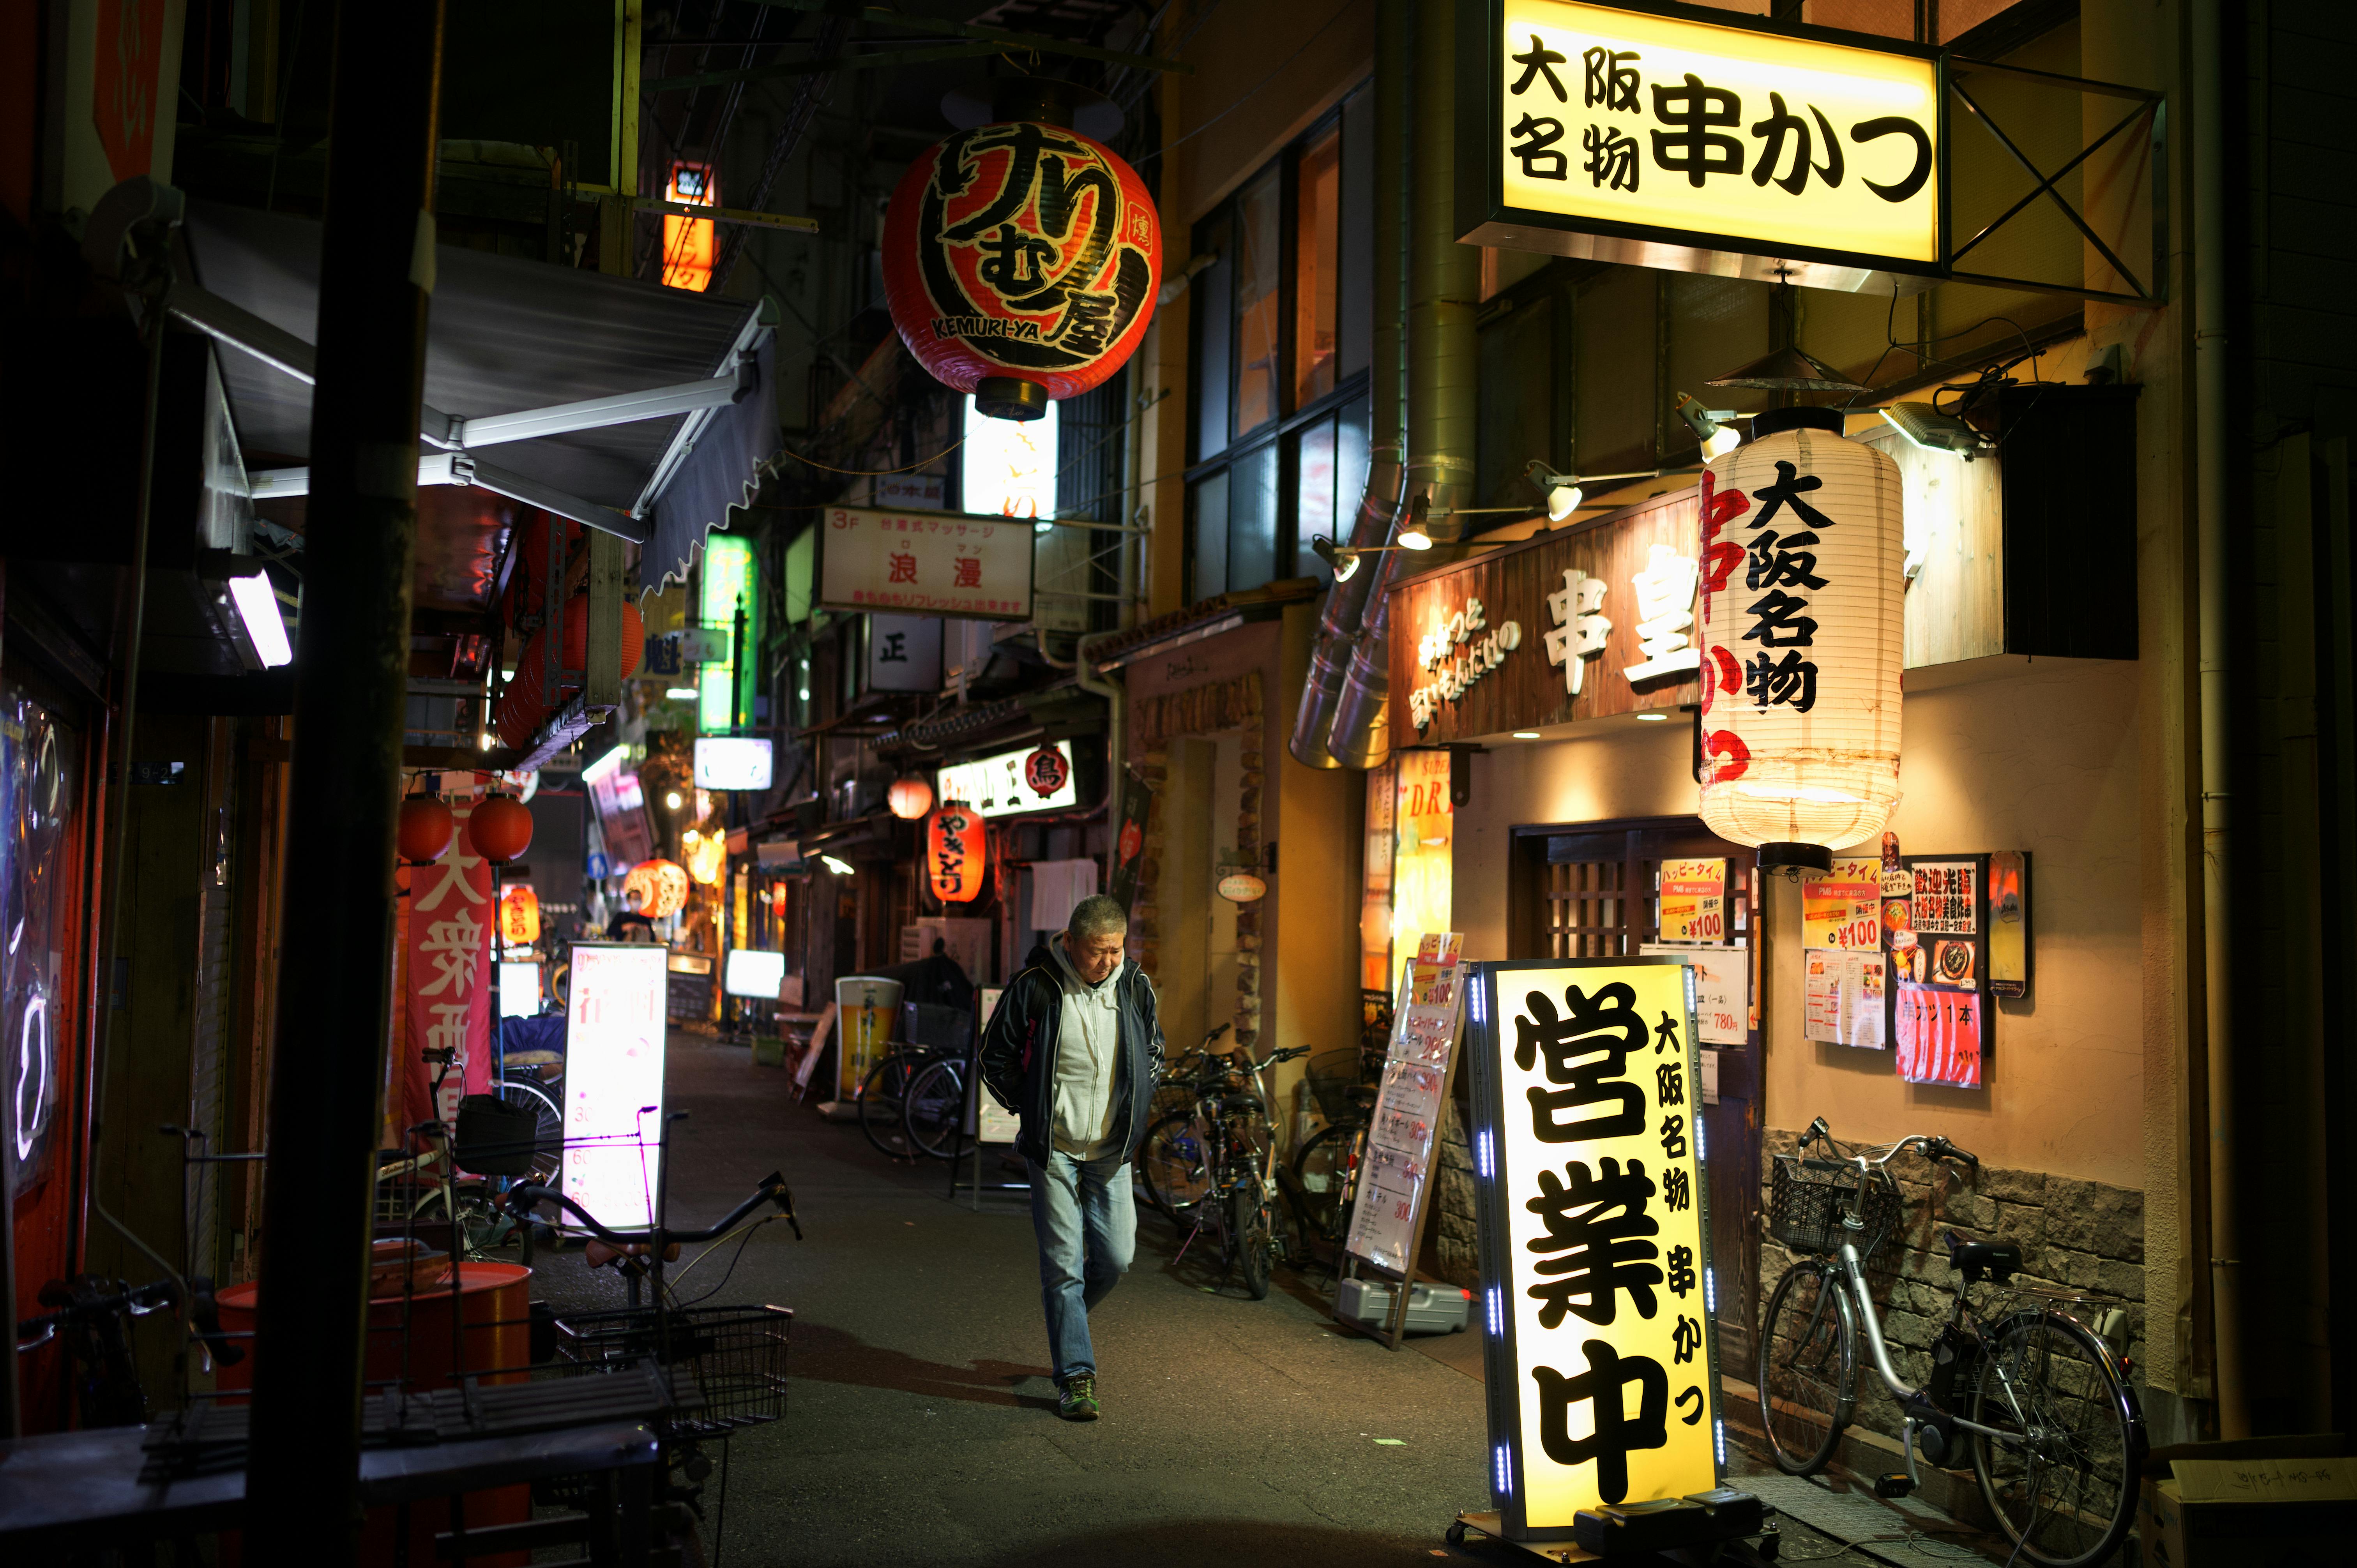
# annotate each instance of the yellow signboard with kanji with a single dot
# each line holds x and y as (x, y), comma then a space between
(1843, 907)
(1594, 1239)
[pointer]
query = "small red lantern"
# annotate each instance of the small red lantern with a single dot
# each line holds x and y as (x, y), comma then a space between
(427, 827)
(661, 887)
(500, 829)
(909, 797)
(1021, 263)
(1045, 770)
(956, 854)
(520, 917)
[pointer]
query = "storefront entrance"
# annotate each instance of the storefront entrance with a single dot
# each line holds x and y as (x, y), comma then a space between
(1591, 890)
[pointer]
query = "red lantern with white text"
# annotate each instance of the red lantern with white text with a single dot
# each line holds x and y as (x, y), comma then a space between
(1021, 263)
(500, 829)
(956, 854)
(1804, 592)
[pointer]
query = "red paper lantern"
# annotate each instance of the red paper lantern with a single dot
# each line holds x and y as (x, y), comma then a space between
(1045, 770)
(524, 704)
(1021, 263)
(520, 917)
(425, 830)
(576, 635)
(909, 797)
(661, 887)
(957, 853)
(500, 829)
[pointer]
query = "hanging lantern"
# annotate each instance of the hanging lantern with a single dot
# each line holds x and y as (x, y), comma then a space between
(500, 829)
(518, 916)
(910, 798)
(425, 831)
(661, 887)
(1047, 769)
(1021, 263)
(708, 855)
(956, 854)
(1802, 603)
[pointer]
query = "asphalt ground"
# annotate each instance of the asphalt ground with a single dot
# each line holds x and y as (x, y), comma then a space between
(920, 1426)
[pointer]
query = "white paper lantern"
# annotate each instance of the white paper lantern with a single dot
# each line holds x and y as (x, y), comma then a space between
(1803, 603)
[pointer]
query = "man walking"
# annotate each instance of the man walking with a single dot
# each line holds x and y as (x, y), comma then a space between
(1074, 1049)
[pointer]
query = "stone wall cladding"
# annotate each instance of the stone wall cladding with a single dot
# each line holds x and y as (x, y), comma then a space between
(2080, 1239)
(1456, 1245)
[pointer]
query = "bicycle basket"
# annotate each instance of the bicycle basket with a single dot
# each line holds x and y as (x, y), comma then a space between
(495, 1138)
(1332, 1076)
(1804, 1205)
(737, 1356)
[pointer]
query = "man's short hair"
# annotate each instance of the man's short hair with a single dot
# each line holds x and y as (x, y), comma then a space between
(1096, 915)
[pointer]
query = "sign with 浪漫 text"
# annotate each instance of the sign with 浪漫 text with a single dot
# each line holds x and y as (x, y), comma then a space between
(1594, 1239)
(1738, 136)
(925, 563)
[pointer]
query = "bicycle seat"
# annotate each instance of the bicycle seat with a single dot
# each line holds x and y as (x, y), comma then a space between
(1997, 1260)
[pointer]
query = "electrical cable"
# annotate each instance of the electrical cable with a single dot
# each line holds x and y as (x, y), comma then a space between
(869, 473)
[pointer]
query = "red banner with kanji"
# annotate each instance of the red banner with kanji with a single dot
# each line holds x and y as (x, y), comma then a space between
(448, 981)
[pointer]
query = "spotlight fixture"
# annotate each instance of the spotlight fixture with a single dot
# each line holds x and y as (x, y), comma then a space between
(1927, 427)
(1713, 427)
(248, 608)
(1343, 560)
(840, 867)
(1561, 491)
(1414, 537)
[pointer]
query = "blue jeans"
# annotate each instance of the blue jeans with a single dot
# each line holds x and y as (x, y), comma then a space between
(1087, 1227)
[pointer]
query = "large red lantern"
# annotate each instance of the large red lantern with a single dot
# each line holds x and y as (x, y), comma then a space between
(425, 830)
(1021, 263)
(518, 916)
(661, 887)
(500, 829)
(956, 852)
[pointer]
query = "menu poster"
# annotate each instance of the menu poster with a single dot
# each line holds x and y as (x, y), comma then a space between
(1841, 907)
(1722, 990)
(1693, 900)
(1939, 1035)
(1842, 997)
(1411, 1101)
(1946, 897)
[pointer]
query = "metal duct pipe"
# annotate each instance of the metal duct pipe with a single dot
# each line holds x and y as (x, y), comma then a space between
(1444, 284)
(1346, 603)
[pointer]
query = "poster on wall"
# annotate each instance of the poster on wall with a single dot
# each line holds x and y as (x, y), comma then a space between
(1693, 900)
(1842, 997)
(1841, 907)
(1938, 931)
(1722, 990)
(1939, 1035)
(1595, 1240)
(1411, 1099)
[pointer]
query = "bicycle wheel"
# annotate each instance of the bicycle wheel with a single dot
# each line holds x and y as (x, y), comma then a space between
(883, 1103)
(1327, 1173)
(1171, 1163)
(935, 1114)
(1256, 1242)
(548, 1132)
(1808, 1365)
(2063, 1483)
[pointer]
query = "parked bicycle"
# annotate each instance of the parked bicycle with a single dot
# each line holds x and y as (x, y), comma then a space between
(94, 1316)
(1325, 1166)
(2038, 1401)
(1212, 1166)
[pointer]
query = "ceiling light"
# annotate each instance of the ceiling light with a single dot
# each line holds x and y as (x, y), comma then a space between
(680, 694)
(840, 867)
(265, 625)
(1927, 428)
(671, 801)
(1526, 735)
(1652, 718)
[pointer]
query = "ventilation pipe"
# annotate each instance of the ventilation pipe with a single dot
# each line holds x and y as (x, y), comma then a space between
(1346, 602)
(1444, 282)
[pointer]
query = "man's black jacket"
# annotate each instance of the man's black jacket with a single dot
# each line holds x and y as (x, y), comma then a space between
(1019, 1055)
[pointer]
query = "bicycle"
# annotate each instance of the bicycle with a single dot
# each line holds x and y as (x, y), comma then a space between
(1171, 1168)
(1326, 1167)
(1222, 1151)
(2056, 1436)
(93, 1314)
(884, 1096)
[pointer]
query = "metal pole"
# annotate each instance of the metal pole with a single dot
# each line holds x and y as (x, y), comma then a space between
(376, 271)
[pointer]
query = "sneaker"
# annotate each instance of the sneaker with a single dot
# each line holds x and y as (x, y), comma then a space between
(1078, 1401)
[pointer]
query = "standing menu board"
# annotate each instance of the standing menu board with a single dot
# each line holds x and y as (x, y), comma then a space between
(1395, 1179)
(614, 1082)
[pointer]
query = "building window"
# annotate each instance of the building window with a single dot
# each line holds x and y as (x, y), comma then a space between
(1283, 325)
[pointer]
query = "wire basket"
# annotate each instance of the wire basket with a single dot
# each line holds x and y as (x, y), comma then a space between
(736, 1356)
(1334, 1079)
(1805, 1199)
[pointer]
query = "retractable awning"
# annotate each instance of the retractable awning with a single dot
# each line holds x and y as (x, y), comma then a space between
(642, 411)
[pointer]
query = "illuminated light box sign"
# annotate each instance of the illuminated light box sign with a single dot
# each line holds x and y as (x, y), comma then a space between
(731, 762)
(1731, 145)
(1599, 1299)
(926, 562)
(614, 1081)
(997, 786)
(519, 989)
(1008, 466)
(753, 972)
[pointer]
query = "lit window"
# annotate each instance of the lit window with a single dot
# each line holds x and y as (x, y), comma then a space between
(688, 244)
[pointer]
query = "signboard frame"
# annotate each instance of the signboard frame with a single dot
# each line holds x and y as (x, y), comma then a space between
(1485, 1045)
(581, 1060)
(1483, 217)
(836, 519)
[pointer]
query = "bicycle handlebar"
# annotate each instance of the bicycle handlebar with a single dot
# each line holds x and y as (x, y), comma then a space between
(524, 1196)
(1931, 1145)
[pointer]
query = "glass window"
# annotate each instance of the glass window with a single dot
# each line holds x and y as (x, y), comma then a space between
(1214, 295)
(1317, 239)
(1259, 271)
(1314, 498)
(1211, 552)
(1252, 518)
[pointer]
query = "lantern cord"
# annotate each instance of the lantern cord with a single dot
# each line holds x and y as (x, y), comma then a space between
(871, 473)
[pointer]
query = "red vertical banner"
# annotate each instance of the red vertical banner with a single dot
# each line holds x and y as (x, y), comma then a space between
(449, 990)
(127, 88)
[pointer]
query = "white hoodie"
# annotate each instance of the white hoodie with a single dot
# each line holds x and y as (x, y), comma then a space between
(1088, 1057)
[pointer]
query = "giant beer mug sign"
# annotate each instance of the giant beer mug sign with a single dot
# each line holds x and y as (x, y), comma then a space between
(1594, 1239)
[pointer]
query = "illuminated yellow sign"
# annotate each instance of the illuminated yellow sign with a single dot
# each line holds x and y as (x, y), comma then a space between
(1623, 123)
(1595, 1240)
